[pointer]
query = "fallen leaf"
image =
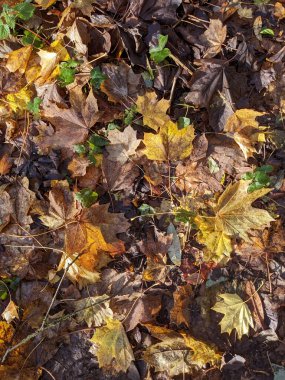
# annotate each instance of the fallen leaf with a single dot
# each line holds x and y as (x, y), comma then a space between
(10, 312)
(255, 305)
(236, 314)
(179, 354)
(180, 312)
(123, 145)
(234, 216)
(153, 110)
(169, 143)
(114, 350)
(93, 310)
(118, 176)
(214, 38)
(18, 59)
(245, 129)
(5, 164)
(279, 11)
(174, 250)
(18, 101)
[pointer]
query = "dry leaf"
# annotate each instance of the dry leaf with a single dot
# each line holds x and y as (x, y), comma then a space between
(18, 59)
(279, 11)
(153, 110)
(122, 144)
(114, 350)
(5, 164)
(236, 314)
(234, 216)
(169, 143)
(255, 305)
(246, 130)
(180, 313)
(178, 354)
(214, 37)
(19, 100)
(10, 312)
(93, 310)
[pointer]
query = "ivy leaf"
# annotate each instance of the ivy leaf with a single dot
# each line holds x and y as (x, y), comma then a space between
(170, 143)
(87, 197)
(34, 106)
(129, 115)
(97, 77)
(67, 72)
(160, 52)
(114, 350)
(236, 314)
(234, 217)
(30, 38)
(25, 10)
(4, 31)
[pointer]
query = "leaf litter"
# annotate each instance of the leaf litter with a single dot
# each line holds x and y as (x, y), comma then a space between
(142, 190)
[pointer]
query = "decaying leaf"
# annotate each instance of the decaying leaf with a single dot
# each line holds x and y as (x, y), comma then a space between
(234, 217)
(123, 144)
(214, 38)
(180, 313)
(169, 143)
(153, 110)
(114, 350)
(10, 312)
(178, 354)
(236, 314)
(246, 130)
(93, 310)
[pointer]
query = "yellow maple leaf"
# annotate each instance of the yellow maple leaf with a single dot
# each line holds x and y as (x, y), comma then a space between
(234, 217)
(170, 143)
(19, 100)
(179, 353)
(245, 130)
(236, 314)
(18, 59)
(114, 350)
(153, 110)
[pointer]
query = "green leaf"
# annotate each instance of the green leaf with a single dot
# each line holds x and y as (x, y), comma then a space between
(112, 126)
(34, 106)
(79, 148)
(159, 53)
(25, 10)
(4, 31)
(97, 77)
(267, 32)
(87, 197)
(96, 141)
(266, 168)
(130, 114)
(9, 16)
(183, 215)
(183, 122)
(30, 38)
(67, 72)
(146, 209)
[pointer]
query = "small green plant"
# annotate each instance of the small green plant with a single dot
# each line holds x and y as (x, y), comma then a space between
(130, 114)
(93, 146)
(159, 52)
(9, 16)
(30, 38)
(34, 106)
(267, 32)
(146, 209)
(67, 72)
(97, 77)
(87, 197)
(259, 178)
(6, 285)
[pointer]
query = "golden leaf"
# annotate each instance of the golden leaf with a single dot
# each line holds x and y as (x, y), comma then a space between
(169, 143)
(246, 130)
(93, 310)
(236, 314)
(45, 3)
(234, 217)
(153, 110)
(5, 164)
(179, 353)
(114, 350)
(19, 100)
(18, 59)
(279, 11)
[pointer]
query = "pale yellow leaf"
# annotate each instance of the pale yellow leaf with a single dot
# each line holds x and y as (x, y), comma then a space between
(153, 110)
(114, 350)
(93, 310)
(19, 100)
(236, 314)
